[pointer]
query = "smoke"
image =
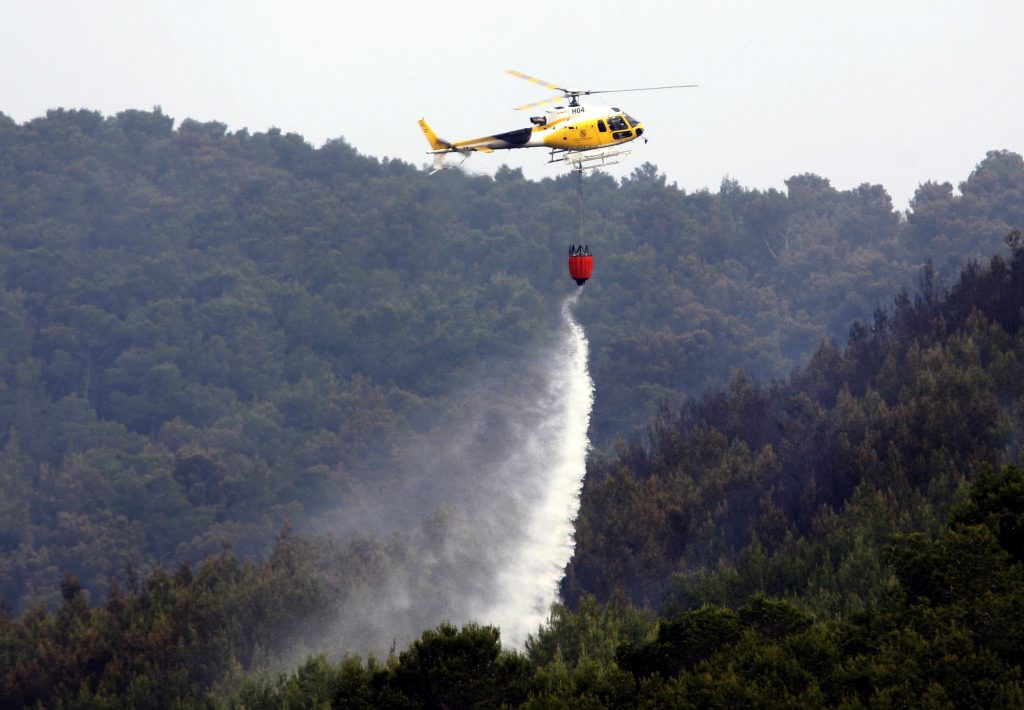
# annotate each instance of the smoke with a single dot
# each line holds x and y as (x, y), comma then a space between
(481, 526)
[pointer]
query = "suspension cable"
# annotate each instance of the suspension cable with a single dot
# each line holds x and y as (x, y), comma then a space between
(579, 189)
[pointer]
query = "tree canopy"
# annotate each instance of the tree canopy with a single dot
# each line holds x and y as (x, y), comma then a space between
(206, 334)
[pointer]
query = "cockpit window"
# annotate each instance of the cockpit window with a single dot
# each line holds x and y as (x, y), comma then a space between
(632, 121)
(616, 123)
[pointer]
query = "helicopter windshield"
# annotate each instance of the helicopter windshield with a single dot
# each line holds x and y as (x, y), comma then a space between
(616, 123)
(632, 121)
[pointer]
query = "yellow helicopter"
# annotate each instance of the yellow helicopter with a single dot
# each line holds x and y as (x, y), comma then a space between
(581, 136)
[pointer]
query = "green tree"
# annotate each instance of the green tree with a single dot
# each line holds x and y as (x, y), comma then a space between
(461, 668)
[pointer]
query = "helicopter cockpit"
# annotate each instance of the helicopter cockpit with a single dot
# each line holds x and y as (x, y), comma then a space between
(621, 126)
(617, 123)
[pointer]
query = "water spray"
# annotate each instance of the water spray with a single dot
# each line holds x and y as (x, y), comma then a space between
(528, 583)
(480, 527)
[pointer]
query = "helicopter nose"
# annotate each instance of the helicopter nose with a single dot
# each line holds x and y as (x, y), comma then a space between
(639, 130)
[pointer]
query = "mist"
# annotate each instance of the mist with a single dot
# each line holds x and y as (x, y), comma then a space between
(480, 528)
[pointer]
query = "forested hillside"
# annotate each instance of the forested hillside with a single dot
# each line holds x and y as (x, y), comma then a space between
(793, 488)
(843, 537)
(206, 334)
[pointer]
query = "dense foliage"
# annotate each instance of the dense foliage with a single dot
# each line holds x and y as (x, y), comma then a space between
(949, 632)
(206, 334)
(793, 488)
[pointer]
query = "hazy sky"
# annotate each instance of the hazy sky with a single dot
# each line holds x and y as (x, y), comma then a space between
(885, 92)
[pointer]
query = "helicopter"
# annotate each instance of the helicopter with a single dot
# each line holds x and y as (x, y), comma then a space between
(580, 135)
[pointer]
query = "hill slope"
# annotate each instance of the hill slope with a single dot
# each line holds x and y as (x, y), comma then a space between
(793, 488)
(875, 572)
(205, 334)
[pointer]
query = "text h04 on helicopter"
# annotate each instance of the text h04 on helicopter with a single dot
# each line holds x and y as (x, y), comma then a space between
(581, 136)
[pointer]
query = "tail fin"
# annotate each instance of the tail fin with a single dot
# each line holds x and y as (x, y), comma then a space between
(435, 142)
(440, 147)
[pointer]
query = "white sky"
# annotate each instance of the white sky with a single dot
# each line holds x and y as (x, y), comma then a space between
(895, 92)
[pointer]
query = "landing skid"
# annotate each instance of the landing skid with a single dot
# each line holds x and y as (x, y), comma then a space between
(588, 159)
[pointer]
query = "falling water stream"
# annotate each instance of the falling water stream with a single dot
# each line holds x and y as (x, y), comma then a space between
(555, 451)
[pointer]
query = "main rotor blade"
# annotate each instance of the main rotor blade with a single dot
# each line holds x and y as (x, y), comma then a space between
(551, 100)
(645, 88)
(571, 93)
(535, 80)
